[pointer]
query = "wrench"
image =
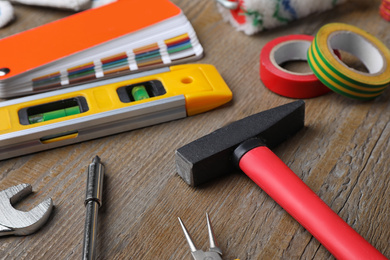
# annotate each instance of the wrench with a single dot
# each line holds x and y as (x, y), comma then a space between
(19, 223)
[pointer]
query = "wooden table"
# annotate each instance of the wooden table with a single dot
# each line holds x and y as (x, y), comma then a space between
(342, 154)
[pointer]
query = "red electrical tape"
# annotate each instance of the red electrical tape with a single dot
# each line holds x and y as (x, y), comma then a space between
(281, 81)
(384, 10)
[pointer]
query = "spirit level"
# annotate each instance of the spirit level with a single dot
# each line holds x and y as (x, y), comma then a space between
(97, 109)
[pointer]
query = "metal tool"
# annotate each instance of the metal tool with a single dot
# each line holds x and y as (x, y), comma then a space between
(232, 5)
(19, 223)
(243, 144)
(214, 252)
(93, 201)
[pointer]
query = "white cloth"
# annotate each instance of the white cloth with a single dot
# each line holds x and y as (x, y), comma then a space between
(97, 3)
(6, 13)
(266, 14)
(75, 5)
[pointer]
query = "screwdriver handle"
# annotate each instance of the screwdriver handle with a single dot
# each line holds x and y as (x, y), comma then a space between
(290, 192)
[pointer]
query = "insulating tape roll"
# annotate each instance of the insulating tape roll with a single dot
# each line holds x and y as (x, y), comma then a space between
(284, 82)
(338, 76)
(384, 10)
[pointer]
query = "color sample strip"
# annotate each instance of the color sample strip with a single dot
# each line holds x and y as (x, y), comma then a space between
(148, 55)
(147, 52)
(115, 63)
(339, 77)
(178, 44)
(144, 57)
(47, 81)
(81, 73)
(147, 63)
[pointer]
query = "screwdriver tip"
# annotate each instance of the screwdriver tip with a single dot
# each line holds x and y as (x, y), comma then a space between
(96, 159)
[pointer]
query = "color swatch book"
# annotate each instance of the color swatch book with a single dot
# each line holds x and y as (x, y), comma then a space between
(126, 36)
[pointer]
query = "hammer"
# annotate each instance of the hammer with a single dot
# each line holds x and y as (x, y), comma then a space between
(246, 144)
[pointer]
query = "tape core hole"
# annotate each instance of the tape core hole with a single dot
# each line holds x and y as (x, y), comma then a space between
(352, 62)
(291, 56)
(359, 47)
(4, 71)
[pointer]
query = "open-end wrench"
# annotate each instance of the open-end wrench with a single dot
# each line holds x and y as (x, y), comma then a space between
(16, 222)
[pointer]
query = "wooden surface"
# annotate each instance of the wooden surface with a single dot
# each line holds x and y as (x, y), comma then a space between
(342, 154)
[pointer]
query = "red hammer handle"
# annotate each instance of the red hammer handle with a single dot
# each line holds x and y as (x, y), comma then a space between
(291, 193)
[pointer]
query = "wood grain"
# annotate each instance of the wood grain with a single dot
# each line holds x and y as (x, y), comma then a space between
(342, 154)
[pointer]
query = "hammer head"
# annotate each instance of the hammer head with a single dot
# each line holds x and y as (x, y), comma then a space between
(212, 155)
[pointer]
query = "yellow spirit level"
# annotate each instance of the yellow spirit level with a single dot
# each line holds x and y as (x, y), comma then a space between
(97, 109)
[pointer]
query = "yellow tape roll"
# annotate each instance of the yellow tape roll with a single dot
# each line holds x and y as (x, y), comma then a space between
(338, 76)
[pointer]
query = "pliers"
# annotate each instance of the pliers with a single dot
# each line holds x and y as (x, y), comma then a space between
(16, 222)
(214, 252)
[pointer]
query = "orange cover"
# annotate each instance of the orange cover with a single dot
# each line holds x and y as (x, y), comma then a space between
(44, 44)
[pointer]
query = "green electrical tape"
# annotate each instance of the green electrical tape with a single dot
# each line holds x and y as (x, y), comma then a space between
(340, 78)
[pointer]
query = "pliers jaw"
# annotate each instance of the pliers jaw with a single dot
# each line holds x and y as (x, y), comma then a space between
(201, 255)
(214, 252)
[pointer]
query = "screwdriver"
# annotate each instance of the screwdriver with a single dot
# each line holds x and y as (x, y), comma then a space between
(93, 201)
